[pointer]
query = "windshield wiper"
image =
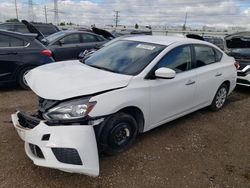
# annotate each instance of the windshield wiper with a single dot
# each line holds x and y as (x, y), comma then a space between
(103, 68)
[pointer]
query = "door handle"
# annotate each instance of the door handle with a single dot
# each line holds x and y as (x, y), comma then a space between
(190, 82)
(218, 74)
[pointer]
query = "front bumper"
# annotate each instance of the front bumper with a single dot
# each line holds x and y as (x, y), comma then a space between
(70, 148)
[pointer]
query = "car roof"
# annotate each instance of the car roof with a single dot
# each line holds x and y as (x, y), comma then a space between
(25, 36)
(162, 40)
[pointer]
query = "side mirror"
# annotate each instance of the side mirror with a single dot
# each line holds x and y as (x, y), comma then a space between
(165, 73)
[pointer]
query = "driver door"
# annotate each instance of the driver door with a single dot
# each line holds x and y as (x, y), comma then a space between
(171, 98)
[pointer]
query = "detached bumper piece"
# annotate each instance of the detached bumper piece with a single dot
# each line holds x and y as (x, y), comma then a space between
(244, 76)
(70, 148)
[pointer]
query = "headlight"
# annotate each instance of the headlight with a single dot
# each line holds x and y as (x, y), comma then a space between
(70, 110)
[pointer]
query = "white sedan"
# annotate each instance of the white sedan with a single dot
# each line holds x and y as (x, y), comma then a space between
(129, 87)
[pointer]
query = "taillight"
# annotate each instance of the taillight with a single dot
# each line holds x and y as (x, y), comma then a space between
(237, 65)
(46, 53)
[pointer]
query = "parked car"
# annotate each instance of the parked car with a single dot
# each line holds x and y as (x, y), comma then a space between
(66, 45)
(46, 29)
(131, 32)
(238, 46)
(218, 41)
(19, 53)
(129, 87)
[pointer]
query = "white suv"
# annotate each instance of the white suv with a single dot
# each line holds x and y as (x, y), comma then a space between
(129, 87)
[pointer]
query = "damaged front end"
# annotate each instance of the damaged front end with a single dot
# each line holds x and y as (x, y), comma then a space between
(68, 145)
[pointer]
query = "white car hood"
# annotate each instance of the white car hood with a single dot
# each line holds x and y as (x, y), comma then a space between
(67, 79)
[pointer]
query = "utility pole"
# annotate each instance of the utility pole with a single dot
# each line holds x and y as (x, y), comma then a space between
(116, 17)
(45, 13)
(185, 22)
(16, 10)
(56, 14)
(30, 11)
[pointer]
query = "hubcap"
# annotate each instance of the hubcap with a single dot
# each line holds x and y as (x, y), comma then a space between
(221, 97)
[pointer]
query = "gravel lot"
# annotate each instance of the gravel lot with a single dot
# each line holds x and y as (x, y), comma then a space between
(203, 149)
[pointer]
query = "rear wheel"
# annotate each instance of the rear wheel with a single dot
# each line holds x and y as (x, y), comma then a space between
(219, 98)
(21, 77)
(119, 133)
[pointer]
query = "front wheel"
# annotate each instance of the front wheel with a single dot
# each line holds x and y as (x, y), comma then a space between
(219, 98)
(119, 133)
(21, 77)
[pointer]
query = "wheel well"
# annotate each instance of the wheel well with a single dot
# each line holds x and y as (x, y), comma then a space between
(23, 67)
(137, 114)
(227, 84)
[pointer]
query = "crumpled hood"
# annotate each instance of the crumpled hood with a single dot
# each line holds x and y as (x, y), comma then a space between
(67, 79)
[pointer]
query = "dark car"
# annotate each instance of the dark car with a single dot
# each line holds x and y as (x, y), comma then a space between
(46, 29)
(238, 46)
(66, 45)
(19, 53)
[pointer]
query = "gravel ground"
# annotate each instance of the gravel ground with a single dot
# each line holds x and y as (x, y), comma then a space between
(203, 149)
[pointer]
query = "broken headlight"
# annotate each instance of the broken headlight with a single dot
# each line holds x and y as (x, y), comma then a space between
(70, 110)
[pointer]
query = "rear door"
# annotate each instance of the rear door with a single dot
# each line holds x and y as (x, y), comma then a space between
(11, 49)
(210, 72)
(67, 47)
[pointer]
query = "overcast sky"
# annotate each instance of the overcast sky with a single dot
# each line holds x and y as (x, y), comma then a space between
(144, 12)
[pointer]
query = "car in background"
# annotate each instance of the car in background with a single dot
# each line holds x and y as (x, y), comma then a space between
(131, 32)
(46, 29)
(66, 45)
(218, 41)
(238, 46)
(19, 53)
(128, 87)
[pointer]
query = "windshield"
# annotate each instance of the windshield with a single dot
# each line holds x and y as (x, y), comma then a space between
(125, 57)
(54, 36)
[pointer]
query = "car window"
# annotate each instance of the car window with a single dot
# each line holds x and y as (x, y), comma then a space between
(6, 41)
(178, 59)
(71, 39)
(218, 55)
(21, 28)
(124, 57)
(205, 55)
(46, 29)
(89, 38)
(99, 38)
(14, 42)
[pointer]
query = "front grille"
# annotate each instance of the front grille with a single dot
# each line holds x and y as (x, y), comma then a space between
(46, 104)
(27, 121)
(67, 155)
(36, 151)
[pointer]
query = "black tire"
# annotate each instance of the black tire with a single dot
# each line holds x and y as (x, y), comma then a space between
(219, 98)
(118, 133)
(20, 77)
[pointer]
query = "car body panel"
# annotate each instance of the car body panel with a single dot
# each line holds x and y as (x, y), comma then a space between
(81, 138)
(71, 51)
(57, 82)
